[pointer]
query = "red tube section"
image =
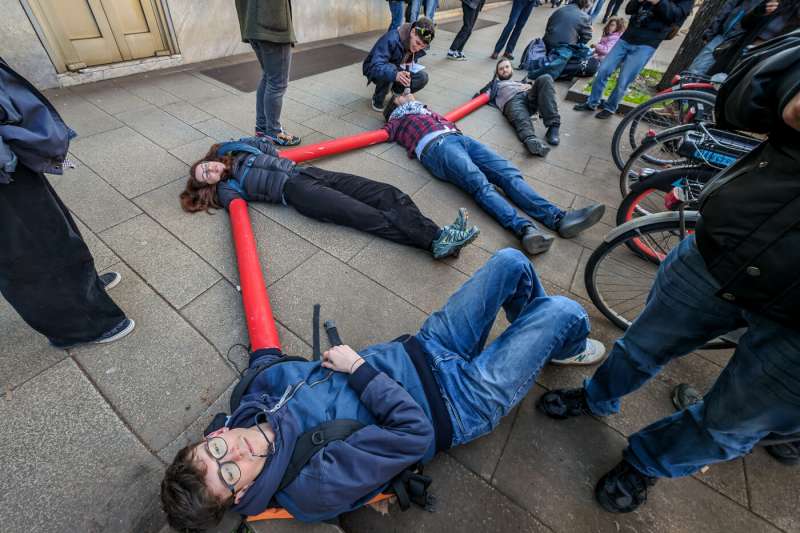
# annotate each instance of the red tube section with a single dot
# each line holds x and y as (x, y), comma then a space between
(257, 310)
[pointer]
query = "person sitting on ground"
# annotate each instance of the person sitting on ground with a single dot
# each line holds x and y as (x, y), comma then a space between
(518, 101)
(612, 31)
(451, 156)
(413, 397)
(234, 170)
(568, 25)
(391, 62)
(651, 22)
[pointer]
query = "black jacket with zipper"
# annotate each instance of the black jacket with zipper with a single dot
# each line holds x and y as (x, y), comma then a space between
(749, 232)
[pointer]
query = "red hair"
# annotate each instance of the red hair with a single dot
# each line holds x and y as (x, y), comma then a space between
(199, 196)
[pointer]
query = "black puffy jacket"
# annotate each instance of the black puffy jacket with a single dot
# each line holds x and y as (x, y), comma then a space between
(265, 179)
(749, 232)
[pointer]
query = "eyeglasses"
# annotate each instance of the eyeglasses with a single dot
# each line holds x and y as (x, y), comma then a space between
(204, 167)
(424, 33)
(228, 471)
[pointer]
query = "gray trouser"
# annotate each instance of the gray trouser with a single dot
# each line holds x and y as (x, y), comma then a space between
(275, 59)
(541, 98)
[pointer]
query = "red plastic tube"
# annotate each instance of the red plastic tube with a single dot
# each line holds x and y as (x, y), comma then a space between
(257, 310)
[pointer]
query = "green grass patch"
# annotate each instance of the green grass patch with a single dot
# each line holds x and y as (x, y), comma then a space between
(641, 90)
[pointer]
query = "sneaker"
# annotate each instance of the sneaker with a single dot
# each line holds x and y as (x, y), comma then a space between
(109, 280)
(283, 139)
(452, 240)
(684, 395)
(460, 223)
(508, 56)
(584, 107)
(378, 102)
(574, 222)
(623, 489)
(787, 453)
(452, 55)
(494, 55)
(536, 147)
(564, 403)
(114, 334)
(594, 353)
(534, 241)
(604, 114)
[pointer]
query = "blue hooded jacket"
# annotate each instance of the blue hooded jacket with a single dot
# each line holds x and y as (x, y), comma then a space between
(389, 52)
(393, 394)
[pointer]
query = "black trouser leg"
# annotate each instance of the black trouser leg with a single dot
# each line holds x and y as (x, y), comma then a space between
(470, 16)
(612, 9)
(542, 99)
(418, 81)
(371, 206)
(47, 273)
(519, 115)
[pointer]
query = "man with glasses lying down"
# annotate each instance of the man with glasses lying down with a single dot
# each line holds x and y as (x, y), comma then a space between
(411, 397)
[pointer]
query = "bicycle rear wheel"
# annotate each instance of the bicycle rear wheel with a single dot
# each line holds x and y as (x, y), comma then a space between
(618, 279)
(660, 113)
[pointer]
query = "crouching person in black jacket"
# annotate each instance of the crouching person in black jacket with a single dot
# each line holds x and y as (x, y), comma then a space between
(740, 269)
(406, 400)
(251, 169)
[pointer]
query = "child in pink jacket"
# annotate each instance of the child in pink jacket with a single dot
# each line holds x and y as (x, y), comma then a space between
(611, 34)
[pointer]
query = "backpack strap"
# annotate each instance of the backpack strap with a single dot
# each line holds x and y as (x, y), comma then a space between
(251, 373)
(312, 441)
(237, 146)
(411, 486)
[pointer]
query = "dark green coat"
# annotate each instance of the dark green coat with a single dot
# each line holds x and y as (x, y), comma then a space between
(266, 20)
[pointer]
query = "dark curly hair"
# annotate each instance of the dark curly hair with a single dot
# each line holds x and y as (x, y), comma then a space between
(189, 505)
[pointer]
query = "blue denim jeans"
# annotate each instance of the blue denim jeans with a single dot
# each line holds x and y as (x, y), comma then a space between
(414, 5)
(481, 384)
(595, 9)
(396, 9)
(275, 60)
(520, 12)
(477, 170)
(633, 58)
(758, 392)
(705, 58)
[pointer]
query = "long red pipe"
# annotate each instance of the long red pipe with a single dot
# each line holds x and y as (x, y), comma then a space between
(257, 309)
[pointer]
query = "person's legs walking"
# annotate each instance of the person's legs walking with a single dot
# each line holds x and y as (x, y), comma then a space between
(430, 8)
(356, 202)
(522, 20)
(612, 9)
(450, 161)
(481, 385)
(705, 58)
(607, 67)
(396, 10)
(596, 8)
(501, 173)
(516, 11)
(635, 61)
(275, 60)
(47, 273)
(470, 16)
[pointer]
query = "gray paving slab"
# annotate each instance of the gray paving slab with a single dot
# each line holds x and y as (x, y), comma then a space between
(773, 490)
(83, 116)
(128, 161)
(194, 151)
(111, 98)
(339, 241)
(280, 250)
(218, 313)
(399, 156)
(551, 467)
(232, 109)
(482, 456)
(417, 277)
(367, 120)
(103, 480)
(365, 312)
(93, 200)
(142, 86)
(171, 268)
(186, 112)
(188, 87)
(104, 258)
(160, 127)
(220, 130)
(464, 502)
(297, 94)
(331, 125)
(163, 374)
(298, 111)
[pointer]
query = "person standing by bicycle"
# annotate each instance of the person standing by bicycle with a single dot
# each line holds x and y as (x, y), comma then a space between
(739, 269)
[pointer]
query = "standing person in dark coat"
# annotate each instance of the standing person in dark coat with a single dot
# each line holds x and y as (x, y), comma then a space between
(738, 269)
(391, 62)
(727, 23)
(651, 22)
(568, 25)
(470, 10)
(269, 30)
(47, 273)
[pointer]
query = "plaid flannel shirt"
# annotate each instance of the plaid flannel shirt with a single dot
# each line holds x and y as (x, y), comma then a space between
(409, 129)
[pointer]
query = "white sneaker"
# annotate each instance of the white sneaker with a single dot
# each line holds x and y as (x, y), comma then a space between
(594, 353)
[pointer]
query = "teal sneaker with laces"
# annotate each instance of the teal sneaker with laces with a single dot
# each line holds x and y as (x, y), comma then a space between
(462, 217)
(451, 240)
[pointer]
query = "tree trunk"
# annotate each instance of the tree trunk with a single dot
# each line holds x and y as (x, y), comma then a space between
(693, 42)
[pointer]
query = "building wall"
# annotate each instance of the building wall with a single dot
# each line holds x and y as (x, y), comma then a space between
(21, 47)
